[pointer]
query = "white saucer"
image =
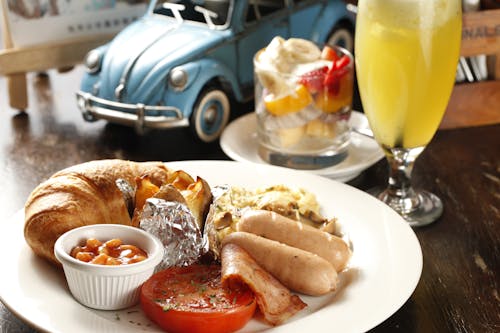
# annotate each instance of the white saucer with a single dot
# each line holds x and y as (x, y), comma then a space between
(239, 142)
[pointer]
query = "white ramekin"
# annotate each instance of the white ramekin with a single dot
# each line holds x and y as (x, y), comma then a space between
(107, 287)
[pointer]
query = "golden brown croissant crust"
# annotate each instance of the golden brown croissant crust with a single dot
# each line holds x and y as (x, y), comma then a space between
(81, 195)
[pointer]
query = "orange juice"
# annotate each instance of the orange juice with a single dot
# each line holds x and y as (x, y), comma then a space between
(406, 59)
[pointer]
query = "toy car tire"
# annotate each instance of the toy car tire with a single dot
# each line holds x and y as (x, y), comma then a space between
(210, 114)
(342, 35)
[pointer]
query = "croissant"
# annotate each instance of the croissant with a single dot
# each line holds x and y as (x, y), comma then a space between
(82, 195)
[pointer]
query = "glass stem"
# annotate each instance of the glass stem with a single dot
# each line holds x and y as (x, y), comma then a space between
(399, 193)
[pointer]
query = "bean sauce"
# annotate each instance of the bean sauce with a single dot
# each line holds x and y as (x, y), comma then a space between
(112, 252)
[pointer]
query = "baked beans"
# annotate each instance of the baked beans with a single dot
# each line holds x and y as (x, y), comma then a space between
(112, 252)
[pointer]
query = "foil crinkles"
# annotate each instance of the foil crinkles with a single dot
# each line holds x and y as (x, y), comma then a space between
(174, 225)
(128, 192)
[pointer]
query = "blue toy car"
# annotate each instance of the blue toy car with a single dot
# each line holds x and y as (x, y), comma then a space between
(180, 63)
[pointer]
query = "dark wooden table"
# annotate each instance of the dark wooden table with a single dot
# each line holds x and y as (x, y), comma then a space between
(459, 287)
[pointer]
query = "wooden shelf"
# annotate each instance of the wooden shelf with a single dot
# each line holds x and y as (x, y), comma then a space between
(473, 104)
(478, 103)
(47, 56)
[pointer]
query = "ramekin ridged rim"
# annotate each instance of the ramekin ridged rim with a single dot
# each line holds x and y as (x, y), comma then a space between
(105, 232)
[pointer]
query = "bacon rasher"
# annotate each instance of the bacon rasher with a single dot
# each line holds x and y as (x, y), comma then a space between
(275, 301)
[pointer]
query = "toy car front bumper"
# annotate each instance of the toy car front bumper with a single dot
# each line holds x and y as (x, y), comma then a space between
(139, 115)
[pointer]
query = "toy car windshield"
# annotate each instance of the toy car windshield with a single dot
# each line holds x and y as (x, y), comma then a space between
(214, 13)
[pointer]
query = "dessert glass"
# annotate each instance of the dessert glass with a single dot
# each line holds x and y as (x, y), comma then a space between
(303, 103)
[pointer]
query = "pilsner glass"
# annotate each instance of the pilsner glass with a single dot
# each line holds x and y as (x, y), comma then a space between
(406, 58)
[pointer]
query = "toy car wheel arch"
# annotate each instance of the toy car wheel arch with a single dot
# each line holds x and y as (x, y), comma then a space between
(210, 114)
(342, 35)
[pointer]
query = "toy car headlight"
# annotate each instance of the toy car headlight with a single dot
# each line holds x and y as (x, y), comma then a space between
(81, 102)
(178, 78)
(92, 61)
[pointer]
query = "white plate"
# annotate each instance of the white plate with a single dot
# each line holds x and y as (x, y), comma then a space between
(239, 142)
(384, 270)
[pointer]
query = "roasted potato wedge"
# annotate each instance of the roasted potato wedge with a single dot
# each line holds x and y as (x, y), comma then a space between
(199, 197)
(169, 192)
(144, 189)
(180, 187)
(180, 179)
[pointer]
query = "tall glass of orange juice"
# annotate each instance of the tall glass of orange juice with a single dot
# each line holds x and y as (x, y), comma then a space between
(406, 58)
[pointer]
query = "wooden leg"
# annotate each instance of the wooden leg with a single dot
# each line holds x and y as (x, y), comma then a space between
(18, 91)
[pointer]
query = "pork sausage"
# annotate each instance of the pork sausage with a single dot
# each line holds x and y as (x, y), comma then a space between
(284, 230)
(297, 269)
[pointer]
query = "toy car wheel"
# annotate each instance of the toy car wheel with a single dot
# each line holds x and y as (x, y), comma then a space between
(342, 35)
(210, 114)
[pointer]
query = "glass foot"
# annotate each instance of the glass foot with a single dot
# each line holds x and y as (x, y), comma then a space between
(419, 210)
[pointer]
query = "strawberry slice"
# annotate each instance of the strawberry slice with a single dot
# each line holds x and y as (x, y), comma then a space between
(342, 62)
(328, 53)
(332, 84)
(314, 79)
(335, 73)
